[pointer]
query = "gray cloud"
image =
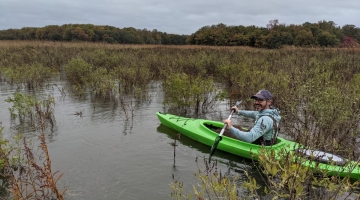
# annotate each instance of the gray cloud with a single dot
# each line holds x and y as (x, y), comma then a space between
(179, 17)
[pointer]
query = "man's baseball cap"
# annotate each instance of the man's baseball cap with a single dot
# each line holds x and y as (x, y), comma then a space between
(262, 94)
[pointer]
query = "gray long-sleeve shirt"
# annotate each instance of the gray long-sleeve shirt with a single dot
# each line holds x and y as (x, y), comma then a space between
(263, 126)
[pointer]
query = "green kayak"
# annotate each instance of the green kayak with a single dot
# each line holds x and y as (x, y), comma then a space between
(202, 130)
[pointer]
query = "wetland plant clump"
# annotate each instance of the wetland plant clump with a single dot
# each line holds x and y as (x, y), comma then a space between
(27, 171)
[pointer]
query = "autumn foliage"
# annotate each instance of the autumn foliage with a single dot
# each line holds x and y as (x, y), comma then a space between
(275, 35)
(349, 42)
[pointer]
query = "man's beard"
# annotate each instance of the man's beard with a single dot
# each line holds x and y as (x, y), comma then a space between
(259, 107)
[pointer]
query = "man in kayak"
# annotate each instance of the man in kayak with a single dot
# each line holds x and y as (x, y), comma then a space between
(266, 117)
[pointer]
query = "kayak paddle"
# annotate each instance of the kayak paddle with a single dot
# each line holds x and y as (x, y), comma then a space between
(219, 138)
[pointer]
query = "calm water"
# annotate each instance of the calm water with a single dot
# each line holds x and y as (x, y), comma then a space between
(105, 156)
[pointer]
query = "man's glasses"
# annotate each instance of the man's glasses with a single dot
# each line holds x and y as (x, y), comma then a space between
(259, 100)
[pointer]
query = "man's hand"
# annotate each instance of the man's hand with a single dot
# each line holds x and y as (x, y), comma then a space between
(235, 108)
(228, 122)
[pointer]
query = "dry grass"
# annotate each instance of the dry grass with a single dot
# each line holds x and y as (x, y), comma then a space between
(23, 43)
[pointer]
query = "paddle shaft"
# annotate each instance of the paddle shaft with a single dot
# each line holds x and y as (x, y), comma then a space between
(225, 125)
(219, 137)
(232, 111)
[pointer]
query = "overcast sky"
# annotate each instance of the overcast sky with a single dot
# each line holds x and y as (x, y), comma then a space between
(175, 16)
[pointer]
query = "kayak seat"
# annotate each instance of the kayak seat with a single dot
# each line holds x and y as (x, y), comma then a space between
(261, 141)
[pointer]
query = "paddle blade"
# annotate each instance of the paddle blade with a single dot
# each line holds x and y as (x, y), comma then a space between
(213, 148)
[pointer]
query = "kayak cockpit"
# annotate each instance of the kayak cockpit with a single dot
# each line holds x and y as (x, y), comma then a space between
(216, 128)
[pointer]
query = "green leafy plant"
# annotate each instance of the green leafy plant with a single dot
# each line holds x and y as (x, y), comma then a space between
(32, 75)
(24, 107)
(286, 176)
(184, 91)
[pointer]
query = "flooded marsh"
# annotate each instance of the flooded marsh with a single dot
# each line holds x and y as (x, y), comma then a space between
(104, 135)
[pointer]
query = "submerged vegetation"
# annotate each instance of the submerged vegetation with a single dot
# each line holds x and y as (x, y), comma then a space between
(317, 90)
(27, 170)
(213, 184)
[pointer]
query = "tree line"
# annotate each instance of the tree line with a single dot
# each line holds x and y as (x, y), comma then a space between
(93, 33)
(274, 35)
